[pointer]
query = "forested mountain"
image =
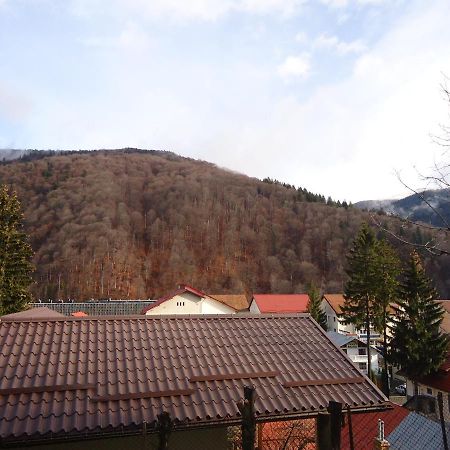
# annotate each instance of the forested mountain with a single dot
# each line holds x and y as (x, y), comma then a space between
(416, 207)
(133, 224)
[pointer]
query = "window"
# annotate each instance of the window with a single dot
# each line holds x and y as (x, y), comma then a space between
(362, 351)
(334, 318)
(429, 391)
(362, 366)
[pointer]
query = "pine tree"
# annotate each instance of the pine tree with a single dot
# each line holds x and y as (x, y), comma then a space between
(388, 270)
(360, 290)
(417, 347)
(15, 256)
(315, 308)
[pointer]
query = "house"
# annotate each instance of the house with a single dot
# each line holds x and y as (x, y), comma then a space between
(403, 429)
(279, 303)
(188, 300)
(355, 349)
(237, 301)
(67, 380)
(434, 383)
(331, 305)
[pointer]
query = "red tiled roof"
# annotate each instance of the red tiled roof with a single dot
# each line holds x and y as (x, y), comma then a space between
(182, 288)
(281, 303)
(74, 377)
(79, 314)
(365, 426)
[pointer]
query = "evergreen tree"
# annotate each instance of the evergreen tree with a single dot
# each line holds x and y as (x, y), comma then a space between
(361, 288)
(417, 347)
(315, 308)
(15, 256)
(388, 270)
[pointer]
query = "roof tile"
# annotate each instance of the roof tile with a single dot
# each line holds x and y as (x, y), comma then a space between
(84, 375)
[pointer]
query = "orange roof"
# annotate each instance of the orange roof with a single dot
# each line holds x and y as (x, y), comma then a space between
(335, 301)
(235, 301)
(281, 303)
(79, 314)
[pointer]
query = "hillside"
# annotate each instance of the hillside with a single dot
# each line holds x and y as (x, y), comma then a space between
(133, 224)
(414, 208)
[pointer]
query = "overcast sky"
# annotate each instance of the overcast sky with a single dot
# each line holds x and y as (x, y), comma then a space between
(331, 95)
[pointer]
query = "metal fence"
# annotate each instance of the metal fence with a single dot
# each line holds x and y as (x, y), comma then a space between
(104, 308)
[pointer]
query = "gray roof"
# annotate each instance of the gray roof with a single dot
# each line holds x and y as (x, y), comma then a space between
(342, 339)
(416, 432)
(34, 313)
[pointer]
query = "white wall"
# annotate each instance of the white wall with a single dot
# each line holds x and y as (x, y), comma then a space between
(209, 306)
(254, 308)
(187, 303)
(353, 353)
(333, 322)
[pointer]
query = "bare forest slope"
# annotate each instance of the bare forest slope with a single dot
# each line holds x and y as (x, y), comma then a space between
(133, 224)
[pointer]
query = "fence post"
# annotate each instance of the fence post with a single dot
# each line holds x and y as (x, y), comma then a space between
(247, 410)
(441, 418)
(350, 428)
(323, 431)
(335, 410)
(164, 425)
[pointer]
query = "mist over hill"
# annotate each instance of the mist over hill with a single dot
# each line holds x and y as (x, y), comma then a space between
(430, 207)
(133, 224)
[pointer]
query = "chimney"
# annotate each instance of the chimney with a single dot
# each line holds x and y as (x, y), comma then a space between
(380, 442)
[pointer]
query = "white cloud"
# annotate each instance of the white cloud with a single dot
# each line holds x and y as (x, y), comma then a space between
(338, 4)
(341, 47)
(349, 137)
(132, 37)
(182, 10)
(295, 67)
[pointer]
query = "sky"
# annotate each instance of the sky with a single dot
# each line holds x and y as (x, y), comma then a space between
(337, 96)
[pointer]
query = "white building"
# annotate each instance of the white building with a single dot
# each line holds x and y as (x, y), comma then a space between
(356, 350)
(188, 300)
(331, 305)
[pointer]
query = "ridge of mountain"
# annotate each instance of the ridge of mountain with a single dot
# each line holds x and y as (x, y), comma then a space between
(431, 207)
(133, 224)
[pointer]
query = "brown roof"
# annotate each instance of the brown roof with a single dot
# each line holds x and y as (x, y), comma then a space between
(281, 303)
(238, 302)
(34, 313)
(79, 376)
(335, 301)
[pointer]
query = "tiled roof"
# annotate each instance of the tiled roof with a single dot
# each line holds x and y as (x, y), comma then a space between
(238, 302)
(416, 432)
(79, 314)
(335, 301)
(34, 313)
(78, 376)
(365, 426)
(281, 303)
